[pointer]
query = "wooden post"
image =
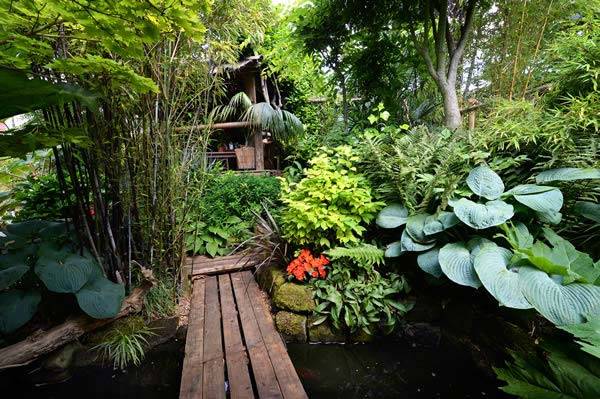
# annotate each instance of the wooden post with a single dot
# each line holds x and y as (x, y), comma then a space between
(250, 90)
(473, 103)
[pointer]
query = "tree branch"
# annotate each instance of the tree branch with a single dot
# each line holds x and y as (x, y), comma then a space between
(462, 42)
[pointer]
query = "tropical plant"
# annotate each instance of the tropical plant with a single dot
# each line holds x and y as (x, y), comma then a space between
(44, 250)
(331, 203)
(216, 240)
(42, 198)
(124, 343)
(357, 296)
(557, 280)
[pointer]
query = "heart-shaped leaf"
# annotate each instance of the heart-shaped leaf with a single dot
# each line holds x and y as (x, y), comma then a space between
(492, 267)
(439, 222)
(12, 267)
(392, 216)
(429, 263)
(543, 199)
(456, 263)
(415, 227)
(482, 216)
(408, 244)
(101, 298)
(567, 174)
(588, 210)
(17, 308)
(65, 273)
(485, 182)
(561, 304)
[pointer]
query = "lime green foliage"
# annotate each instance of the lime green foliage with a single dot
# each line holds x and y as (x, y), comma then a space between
(160, 301)
(42, 198)
(557, 372)
(332, 202)
(358, 297)
(124, 342)
(520, 278)
(223, 214)
(44, 250)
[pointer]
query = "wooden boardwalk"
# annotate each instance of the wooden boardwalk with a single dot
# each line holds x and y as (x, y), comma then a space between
(232, 348)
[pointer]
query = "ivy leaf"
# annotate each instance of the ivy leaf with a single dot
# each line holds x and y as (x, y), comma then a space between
(485, 182)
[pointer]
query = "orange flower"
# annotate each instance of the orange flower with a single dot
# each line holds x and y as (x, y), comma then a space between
(305, 264)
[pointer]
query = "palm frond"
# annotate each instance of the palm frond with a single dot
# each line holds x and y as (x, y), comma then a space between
(240, 101)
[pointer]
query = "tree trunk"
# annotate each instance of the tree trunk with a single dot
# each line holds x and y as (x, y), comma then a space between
(452, 117)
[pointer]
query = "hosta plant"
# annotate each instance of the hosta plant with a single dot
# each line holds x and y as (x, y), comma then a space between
(468, 245)
(39, 254)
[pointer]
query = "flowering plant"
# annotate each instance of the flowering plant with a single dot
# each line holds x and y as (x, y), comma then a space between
(307, 263)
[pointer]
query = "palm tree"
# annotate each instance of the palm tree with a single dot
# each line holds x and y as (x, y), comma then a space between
(280, 123)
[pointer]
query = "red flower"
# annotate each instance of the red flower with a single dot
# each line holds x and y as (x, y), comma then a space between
(305, 264)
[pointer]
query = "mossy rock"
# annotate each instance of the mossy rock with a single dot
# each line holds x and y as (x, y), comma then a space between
(292, 326)
(324, 332)
(294, 297)
(270, 278)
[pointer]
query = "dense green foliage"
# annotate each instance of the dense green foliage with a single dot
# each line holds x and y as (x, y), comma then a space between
(42, 198)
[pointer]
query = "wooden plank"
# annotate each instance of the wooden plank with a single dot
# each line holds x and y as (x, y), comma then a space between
(288, 379)
(207, 266)
(192, 374)
(262, 369)
(238, 375)
(214, 363)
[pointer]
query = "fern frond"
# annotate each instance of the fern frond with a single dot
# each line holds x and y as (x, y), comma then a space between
(363, 254)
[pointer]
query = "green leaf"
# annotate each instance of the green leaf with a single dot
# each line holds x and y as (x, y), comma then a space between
(429, 263)
(561, 304)
(64, 272)
(393, 250)
(17, 308)
(212, 248)
(415, 226)
(439, 222)
(485, 182)
(392, 216)
(408, 244)
(101, 298)
(482, 216)
(588, 210)
(567, 174)
(12, 267)
(456, 261)
(543, 199)
(588, 334)
(502, 282)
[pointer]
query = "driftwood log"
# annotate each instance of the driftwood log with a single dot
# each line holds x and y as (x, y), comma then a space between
(43, 342)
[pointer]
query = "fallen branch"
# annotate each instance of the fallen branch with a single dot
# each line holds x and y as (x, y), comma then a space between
(43, 342)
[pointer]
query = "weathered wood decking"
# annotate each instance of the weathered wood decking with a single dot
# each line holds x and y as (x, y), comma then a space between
(232, 347)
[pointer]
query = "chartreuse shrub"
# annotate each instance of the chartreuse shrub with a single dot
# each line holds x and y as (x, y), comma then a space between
(539, 270)
(40, 251)
(355, 296)
(331, 204)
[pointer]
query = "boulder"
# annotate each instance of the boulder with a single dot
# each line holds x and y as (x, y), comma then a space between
(270, 278)
(292, 326)
(324, 332)
(294, 297)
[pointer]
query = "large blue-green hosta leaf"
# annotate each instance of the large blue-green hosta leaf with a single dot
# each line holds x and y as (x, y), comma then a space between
(415, 226)
(429, 263)
(456, 261)
(17, 308)
(482, 216)
(66, 272)
(12, 267)
(439, 222)
(588, 210)
(393, 250)
(543, 199)
(101, 298)
(494, 272)
(567, 174)
(392, 216)
(485, 182)
(410, 245)
(561, 304)
(28, 230)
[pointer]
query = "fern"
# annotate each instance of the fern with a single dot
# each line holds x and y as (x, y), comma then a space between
(363, 254)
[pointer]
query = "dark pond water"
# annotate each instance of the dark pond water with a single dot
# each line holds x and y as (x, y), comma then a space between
(378, 370)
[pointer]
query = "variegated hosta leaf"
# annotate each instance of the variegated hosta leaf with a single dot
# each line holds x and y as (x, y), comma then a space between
(456, 263)
(393, 250)
(482, 216)
(492, 267)
(439, 222)
(17, 308)
(415, 226)
(567, 174)
(485, 182)
(392, 216)
(408, 244)
(65, 274)
(12, 268)
(561, 304)
(429, 263)
(101, 298)
(543, 199)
